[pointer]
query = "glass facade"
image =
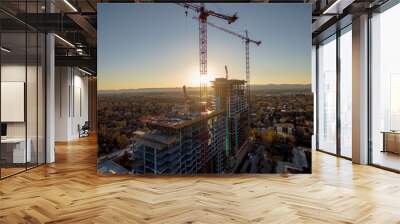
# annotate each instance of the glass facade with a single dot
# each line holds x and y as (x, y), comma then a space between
(385, 89)
(346, 92)
(22, 79)
(327, 95)
(334, 90)
(334, 94)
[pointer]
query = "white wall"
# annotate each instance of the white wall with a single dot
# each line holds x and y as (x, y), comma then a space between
(33, 126)
(62, 82)
(71, 94)
(80, 110)
(12, 73)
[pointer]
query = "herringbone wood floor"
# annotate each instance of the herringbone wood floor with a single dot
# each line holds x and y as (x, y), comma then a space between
(70, 191)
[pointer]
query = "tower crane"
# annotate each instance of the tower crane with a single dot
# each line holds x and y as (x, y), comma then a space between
(203, 14)
(247, 42)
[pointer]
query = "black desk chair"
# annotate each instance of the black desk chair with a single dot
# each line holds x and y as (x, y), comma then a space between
(84, 130)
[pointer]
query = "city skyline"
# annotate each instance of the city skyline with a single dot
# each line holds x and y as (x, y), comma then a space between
(158, 47)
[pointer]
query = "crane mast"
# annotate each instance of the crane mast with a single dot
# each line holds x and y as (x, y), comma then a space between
(247, 49)
(203, 57)
(203, 14)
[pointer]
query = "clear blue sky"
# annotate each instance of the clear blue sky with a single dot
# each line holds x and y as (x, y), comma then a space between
(155, 45)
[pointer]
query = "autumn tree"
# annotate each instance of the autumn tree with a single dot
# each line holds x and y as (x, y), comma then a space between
(269, 137)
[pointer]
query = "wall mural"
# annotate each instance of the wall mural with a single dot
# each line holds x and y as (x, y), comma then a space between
(194, 88)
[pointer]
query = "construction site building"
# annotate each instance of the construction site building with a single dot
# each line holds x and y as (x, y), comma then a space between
(230, 96)
(181, 145)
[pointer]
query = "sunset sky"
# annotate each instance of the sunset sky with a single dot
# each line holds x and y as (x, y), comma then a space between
(156, 45)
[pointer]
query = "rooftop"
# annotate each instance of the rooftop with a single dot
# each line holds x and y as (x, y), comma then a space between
(178, 122)
(156, 139)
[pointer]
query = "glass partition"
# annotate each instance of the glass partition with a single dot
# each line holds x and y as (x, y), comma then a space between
(13, 94)
(22, 88)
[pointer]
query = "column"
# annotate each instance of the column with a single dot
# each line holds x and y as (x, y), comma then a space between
(360, 89)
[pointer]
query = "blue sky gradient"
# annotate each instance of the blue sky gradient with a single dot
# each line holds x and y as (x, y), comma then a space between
(156, 45)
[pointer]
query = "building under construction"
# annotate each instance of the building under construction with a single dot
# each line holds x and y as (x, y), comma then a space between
(230, 96)
(181, 145)
(194, 142)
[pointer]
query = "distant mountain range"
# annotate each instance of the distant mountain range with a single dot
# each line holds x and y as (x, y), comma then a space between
(300, 87)
(264, 87)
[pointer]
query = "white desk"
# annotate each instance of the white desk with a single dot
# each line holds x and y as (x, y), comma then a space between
(19, 154)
